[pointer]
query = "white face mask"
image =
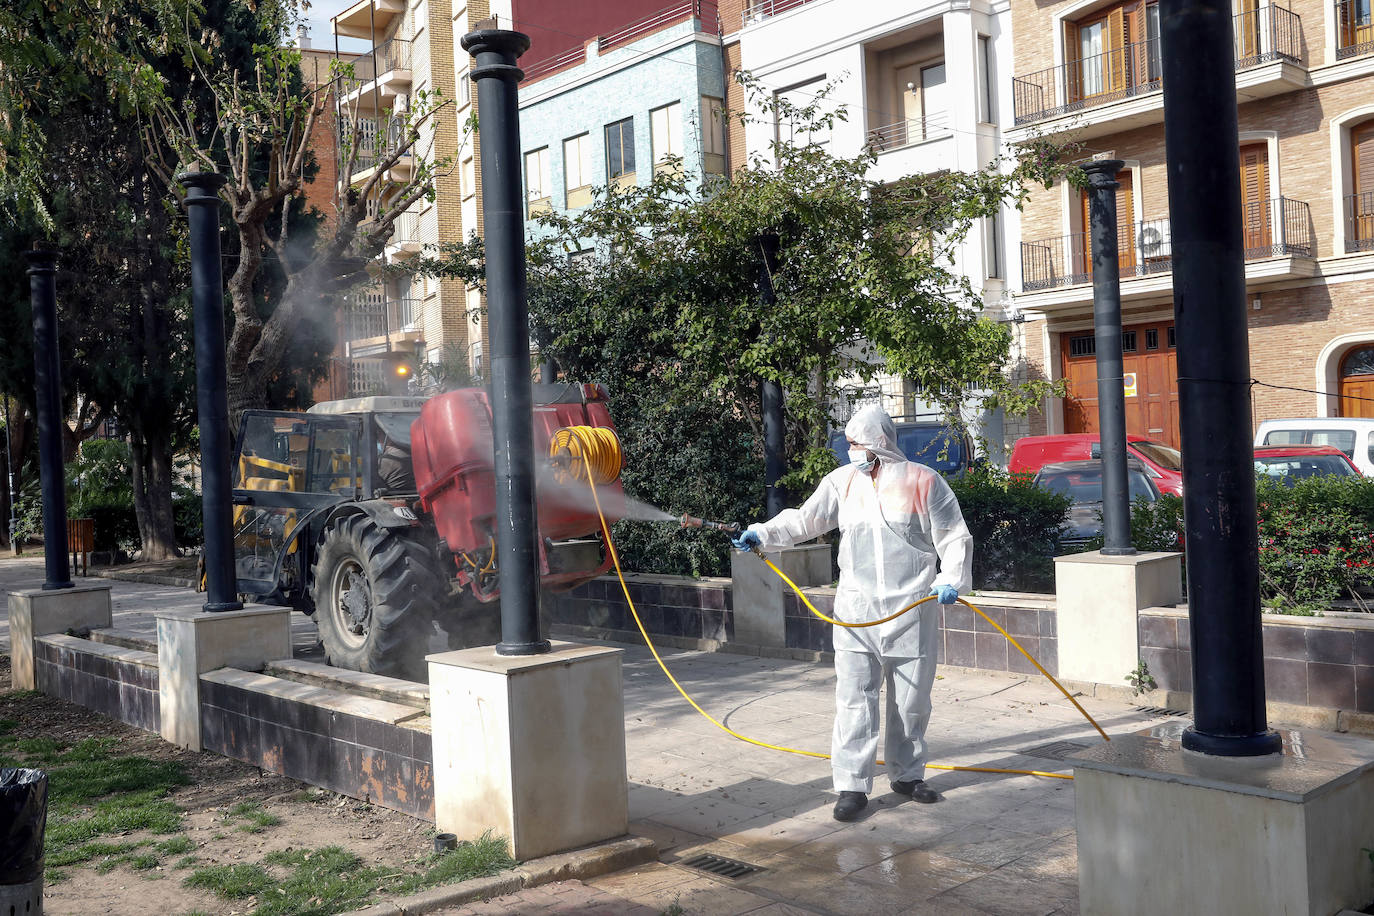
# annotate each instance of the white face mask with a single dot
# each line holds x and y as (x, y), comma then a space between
(859, 458)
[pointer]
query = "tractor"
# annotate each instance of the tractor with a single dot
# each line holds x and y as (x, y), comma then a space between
(376, 516)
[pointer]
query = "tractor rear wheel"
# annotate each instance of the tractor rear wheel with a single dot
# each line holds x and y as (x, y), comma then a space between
(375, 592)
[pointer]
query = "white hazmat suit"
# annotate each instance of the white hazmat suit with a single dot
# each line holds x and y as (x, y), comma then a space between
(895, 524)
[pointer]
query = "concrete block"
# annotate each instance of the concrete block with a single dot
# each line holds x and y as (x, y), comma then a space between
(190, 643)
(37, 612)
(1275, 834)
(531, 747)
(760, 594)
(1098, 598)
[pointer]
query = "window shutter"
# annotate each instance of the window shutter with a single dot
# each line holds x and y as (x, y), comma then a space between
(1362, 157)
(1073, 68)
(1115, 46)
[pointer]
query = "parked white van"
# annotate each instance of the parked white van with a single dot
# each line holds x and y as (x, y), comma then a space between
(1352, 435)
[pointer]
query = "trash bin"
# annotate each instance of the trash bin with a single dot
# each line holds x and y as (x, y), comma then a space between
(23, 818)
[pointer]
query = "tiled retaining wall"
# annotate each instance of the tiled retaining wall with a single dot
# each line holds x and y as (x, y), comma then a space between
(704, 609)
(243, 717)
(114, 681)
(1308, 661)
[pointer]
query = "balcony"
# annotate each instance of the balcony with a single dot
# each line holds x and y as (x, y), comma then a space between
(389, 66)
(1277, 235)
(909, 132)
(1359, 222)
(759, 10)
(375, 325)
(368, 18)
(405, 236)
(1121, 88)
(377, 139)
(1354, 29)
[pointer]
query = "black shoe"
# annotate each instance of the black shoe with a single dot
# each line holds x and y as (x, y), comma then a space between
(916, 790)
(849, 806)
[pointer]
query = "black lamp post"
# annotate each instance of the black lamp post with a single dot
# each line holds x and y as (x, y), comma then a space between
(212, 398)
(48, 376)
(494, 53)
(1201, 146)
(774, 443)
(1111, 392)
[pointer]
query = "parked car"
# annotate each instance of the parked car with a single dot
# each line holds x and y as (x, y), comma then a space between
(1162, 463)
(935, 445)
(1290, 463)
(1081, 481)
(1354, 436)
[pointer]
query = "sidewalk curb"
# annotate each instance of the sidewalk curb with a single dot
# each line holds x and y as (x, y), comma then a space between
(145, 578)
(567, 866)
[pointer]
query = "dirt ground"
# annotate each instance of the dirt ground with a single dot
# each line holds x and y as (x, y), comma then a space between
(310, 818)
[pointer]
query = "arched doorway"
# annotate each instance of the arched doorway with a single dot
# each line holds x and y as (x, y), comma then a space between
(1357, 383)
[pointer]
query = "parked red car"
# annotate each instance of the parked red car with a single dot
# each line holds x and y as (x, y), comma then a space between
(1289, 463)
(1162, 463)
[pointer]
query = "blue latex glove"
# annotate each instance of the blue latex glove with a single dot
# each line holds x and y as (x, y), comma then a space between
(946, 593)
(746, 541)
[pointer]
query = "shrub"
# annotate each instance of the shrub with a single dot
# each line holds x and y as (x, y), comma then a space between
(1015, 527)
(1316, 542)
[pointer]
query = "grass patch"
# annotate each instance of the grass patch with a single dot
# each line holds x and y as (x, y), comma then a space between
(186, 862)
(177, 845)
(320, 882)
(256, 820)
(95, 791)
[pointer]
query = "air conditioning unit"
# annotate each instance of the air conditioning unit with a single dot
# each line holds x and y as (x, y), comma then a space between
(1154, 243)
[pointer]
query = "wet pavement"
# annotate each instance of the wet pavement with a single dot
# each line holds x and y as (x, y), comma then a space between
(995, 843)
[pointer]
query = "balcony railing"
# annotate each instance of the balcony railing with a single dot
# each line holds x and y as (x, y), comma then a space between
(405, 228)
(1263, 35)
(758, 10)
(376, 318)
(1359, 222)
(1354, 28)
(377, 139)
(402, 313)
(392, 54)
(909, 131)
(1270, 228)
(702, 12)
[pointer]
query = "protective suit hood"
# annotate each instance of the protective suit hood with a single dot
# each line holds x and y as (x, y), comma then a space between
(873, 429)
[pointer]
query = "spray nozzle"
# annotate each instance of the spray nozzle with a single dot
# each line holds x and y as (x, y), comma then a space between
(691, 521)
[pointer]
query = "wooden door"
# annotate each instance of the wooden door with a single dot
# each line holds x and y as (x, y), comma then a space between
(1247, 29)
(1357, 383)
(1153, 410)
(1255, 205)
(1356, 25)
(1361, 225)
(1125, 224)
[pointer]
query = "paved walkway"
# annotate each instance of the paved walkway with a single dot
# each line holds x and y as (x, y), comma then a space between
(995, 844)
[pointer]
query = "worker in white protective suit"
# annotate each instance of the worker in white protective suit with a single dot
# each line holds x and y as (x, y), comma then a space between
(896, 519)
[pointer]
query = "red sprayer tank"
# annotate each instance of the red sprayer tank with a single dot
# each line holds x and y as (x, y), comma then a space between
(452, 452)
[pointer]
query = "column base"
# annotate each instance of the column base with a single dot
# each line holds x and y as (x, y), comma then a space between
(1163, 829)
(39, 612)
(759, 594)
(531, 747)
(1097, 597)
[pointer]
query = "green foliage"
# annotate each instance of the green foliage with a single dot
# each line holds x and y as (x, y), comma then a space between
(1316, 543)
(1140, 680)
(1015, 527)
(1154, 525)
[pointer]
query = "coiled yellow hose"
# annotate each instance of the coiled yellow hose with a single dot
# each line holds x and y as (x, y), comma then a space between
(589, 446)
(594, 449)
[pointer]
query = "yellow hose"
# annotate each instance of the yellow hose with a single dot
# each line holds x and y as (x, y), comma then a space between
(588, 449)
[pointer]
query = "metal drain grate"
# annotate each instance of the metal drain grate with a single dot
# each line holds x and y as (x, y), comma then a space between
(1161, 713)
(1055, 750)
(719, 865)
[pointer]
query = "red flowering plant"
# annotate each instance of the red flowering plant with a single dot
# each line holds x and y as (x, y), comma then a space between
(1316, 544)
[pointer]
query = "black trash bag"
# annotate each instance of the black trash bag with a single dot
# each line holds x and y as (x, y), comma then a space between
(23, 818)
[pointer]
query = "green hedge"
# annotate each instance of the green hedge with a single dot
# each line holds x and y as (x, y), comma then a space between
(1015, 528)
(1316, 542)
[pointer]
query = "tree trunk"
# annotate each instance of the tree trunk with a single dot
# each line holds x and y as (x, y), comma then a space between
(152, 479)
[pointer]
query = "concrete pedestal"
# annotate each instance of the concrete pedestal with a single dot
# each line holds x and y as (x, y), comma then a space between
(1165, 830)
(531, 747)
(1097, 599)
(37, 612)
(190, 643)
(759, 594)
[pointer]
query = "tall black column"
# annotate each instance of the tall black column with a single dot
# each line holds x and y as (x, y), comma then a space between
(1111, 392)
(47, 369)
(1202, 148)
(774, 439)
(212, 397)
(495, 52)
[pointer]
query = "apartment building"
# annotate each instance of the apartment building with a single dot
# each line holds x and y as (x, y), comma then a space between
(1304, 70)
(646, 96)
(923, 82)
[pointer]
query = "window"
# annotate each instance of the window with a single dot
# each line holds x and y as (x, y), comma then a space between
(1356, 28)
(620, 149)
(712, 126)
(1173, 341)
(1152, 339)
(797, 109)
(1359, 206)
(992, 247)
(987, 111)
(1113, 51)
(577, 170)
(665, 133)
(464, 87)
(1128, 341)
(469, 179)
(538, 186)
(1083, 345)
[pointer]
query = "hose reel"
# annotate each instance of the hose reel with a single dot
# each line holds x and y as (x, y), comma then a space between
(576, 450)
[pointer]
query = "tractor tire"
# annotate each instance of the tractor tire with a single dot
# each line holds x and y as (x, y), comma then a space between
(468, 622)
(375, 593)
